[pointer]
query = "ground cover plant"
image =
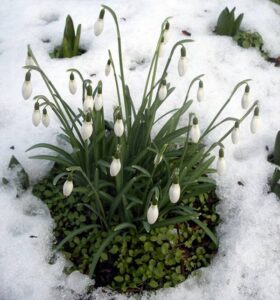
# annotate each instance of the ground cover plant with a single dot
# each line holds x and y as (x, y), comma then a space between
(132, 180)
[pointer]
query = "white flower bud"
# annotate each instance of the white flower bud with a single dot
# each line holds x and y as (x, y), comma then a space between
(162, 93)
(200, 91)
(88, 104)
(235, 134)
(98, 103)
(108, 68)
(195, 131)
(161, 48)
(255, 123)
(36, 116)
(221, 164)
(67, 187)
(182, 66)
(72, 84)
(174, 192)
(166, 33)
(119, 128)
(27, 86)
(29, 61)
(86, 130)
(182, 63)
(115, 167)
(245, 99)
(99, 24)
(45, 118)
(152, 214)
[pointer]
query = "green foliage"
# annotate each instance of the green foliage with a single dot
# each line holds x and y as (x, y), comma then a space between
(248, 39)
(162, 258)
(276, 153)
(227, 24)
(149, 159)
(275, 182)
(70, 42)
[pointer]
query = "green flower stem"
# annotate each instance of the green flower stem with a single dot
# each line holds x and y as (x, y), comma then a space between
(190, 86)
(223, 107)
(127, 113)
(230, 130)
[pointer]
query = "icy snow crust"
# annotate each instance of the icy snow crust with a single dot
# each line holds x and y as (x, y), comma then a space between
(247, 265)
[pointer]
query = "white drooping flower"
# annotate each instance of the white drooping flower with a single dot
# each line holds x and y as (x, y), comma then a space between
(115, 166)
(29, 60)
(87, 128)
(174, 192)
(45, 118)
(182, 63)
(98, 103)
(88, 102)
(235, 134)
(27, 86)
(72, 84)
(166, 33)
(245, 101)
(195, 130)
(161, 48)
(108, 67)
(119, 127)
(200, 91)
(99, 24)
(255, 123)
(68, 186)
(153, 212)
(221, 164)
(36, 116)
(162, 93)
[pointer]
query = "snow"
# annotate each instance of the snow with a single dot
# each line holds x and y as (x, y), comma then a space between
(247, 265)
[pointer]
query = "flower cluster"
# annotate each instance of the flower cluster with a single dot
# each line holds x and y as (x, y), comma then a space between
(135, 177)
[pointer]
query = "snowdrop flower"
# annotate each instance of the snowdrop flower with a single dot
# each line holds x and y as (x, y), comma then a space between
(88, 102)
(99, 24)
(119, 127)
(255, 123)
(245, 99)
(29, 60)
(108, 67)
(235, 134)
(152, 213)
(162, 93)
(195, 131)
(182, 63)
(161, 48)
(115, 166)
(166, 33)
(175, 190)
(45, 118)
(87, 128)
(98, 103)
(36, 116)
(200, 91)
(68, 186)
(72, 84)
(27, 86)
(221, 164)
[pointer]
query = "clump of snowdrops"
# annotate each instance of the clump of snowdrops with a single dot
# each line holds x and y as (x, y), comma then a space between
(133, 177)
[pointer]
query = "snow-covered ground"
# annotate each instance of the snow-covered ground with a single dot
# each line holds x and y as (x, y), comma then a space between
(247, 265)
